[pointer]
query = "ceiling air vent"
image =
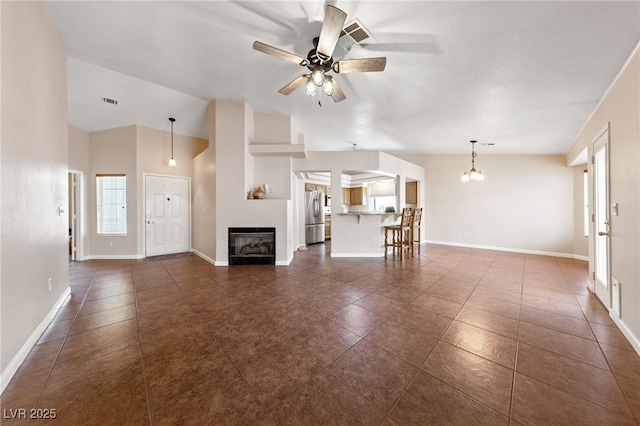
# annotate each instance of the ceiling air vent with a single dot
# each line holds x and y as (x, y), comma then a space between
(110, 101)
(354, 33)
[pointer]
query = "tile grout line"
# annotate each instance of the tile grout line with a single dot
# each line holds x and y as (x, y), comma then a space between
(144, 372)
(55, 360)
(615, 376)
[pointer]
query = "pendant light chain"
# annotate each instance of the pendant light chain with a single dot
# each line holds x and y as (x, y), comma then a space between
(172, 161)
(473, 174)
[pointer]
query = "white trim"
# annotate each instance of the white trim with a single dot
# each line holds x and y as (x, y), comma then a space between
(203, 256)
(221, 263)
(507, 249)
(625, 330)
(114, 257)
(22, 354)
(214, 263)
(285, 262)
(80, 222)
(333, 254)
(144, 207)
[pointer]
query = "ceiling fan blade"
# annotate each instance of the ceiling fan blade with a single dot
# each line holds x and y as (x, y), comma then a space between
(274, 51)
(331, 27)
(286, 90)
(338, 94)
(360, 65)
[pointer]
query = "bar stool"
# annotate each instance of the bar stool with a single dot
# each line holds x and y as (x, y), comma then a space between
(401, 237)
(415, 226)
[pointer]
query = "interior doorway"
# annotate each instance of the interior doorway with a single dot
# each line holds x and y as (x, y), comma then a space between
(167, 215)
(601, 218)
(74, 209)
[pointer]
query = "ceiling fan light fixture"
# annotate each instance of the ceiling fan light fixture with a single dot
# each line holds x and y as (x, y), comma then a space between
(328, 86)
(310, 87)
(318, 77)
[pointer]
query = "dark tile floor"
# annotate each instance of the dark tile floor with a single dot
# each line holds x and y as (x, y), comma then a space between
(450, 336)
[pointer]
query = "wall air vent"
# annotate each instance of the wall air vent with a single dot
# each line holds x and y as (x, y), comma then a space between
(110, 101)
(354, 33)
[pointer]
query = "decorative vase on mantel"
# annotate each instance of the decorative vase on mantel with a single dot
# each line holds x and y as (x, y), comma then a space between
(259, 194)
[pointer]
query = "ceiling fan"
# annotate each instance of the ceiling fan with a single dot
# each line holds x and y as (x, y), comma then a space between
(320, 62)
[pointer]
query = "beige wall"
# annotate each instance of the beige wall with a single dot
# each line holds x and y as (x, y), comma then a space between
(153, 151)
(135, 151)
(525, 203)
(113, 152)
(34, 175)
(620, 108)
(203, 195)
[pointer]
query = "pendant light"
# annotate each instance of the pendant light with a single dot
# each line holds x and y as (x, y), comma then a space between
(172, 161)
(473, 174)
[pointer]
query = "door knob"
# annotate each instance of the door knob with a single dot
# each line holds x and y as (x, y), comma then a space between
(149, 222)
(603, 234)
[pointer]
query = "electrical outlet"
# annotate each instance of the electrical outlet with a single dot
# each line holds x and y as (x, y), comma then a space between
(49, 284)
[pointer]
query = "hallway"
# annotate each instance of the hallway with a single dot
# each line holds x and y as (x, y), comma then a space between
(451, 336)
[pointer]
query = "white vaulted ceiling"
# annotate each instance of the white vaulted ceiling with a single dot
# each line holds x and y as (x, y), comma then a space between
(523, 75)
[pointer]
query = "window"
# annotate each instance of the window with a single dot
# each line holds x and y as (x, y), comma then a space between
(586, 203)
(381, 203)
(111, 198)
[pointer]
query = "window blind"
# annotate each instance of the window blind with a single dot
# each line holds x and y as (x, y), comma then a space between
(111, 198)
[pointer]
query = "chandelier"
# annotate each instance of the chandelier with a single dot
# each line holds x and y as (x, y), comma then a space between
(473, 174)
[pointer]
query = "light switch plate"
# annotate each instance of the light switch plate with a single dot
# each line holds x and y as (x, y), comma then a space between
(614, 209)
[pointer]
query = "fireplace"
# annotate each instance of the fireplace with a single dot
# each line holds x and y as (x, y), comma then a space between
(252, 246)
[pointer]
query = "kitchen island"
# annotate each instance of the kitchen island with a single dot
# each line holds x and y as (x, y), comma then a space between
(360, 234)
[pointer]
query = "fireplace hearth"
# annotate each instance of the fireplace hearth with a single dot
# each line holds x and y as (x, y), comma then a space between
(252, 246)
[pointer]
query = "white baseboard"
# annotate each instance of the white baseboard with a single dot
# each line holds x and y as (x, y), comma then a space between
(203, 256)
(222, 263)
(625, 330)
(285, 262)
(509, 249)
(357, 254)
(114, 257)
(22, 354)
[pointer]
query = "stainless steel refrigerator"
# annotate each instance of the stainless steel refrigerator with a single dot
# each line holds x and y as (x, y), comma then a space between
(314, 217)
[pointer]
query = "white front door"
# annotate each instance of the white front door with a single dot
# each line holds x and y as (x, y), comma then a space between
(167, 215)
(601, 218)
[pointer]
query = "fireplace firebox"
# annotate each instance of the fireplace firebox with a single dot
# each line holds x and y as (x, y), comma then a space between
(252, 246)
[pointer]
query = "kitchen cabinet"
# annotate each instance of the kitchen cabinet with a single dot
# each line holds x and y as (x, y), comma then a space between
(411, 192)
(359, 196)
(354, 196)
(327, 227)
(346, 196)
(315, 187)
